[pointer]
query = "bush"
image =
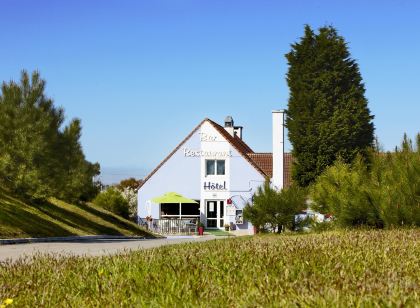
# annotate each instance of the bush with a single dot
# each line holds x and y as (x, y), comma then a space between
(113, 201)
(273, 209)
(346, 192)
(385, 193)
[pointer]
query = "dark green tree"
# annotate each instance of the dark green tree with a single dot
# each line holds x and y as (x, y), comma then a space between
(29, 136)
(328, 115)
(38, 159)
(77, 176)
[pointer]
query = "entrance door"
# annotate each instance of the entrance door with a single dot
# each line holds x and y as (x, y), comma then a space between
(215, 213)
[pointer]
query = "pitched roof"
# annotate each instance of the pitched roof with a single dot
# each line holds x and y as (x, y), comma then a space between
(239, 145)
(262, 162)
(265, 162)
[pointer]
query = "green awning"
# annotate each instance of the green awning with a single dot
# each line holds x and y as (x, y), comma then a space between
(172, 197)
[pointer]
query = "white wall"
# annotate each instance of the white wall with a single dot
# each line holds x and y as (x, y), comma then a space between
(179, 174)
(218, 144)
(245, 180)
(278, 149)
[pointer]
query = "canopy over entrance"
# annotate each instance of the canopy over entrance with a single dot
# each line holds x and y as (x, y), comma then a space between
(176, 206)
(172, 197)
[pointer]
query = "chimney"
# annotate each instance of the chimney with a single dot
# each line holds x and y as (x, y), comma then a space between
(231, 129)
(237, 130)
(229, 126)
(278, 149)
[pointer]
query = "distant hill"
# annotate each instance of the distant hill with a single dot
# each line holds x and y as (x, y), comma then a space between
(58, 218)
(114, 175)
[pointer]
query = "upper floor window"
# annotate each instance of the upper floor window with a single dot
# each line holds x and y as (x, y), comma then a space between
(215, 167)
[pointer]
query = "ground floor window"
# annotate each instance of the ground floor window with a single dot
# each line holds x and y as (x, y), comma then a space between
(180, 211)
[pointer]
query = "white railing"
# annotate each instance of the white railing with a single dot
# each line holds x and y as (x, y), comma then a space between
(170, 226)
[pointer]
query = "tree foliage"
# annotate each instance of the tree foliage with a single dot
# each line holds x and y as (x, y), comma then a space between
(276, 209)
(38, 159)
(384, 194)
(128, 188)
(131, 183)
(113, 200)
(327, 116)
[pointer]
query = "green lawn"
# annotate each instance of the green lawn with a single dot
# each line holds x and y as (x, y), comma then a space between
(57, 218)
(333, 269)
(218, 232)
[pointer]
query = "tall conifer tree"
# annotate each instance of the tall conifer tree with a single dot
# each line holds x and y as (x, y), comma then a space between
(39, 159)
(328, 115)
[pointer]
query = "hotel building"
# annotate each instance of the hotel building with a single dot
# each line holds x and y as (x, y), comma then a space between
(215, 167)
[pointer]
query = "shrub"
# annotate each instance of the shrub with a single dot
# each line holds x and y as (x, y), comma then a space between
(345, 191)
(396, 177)
(385, 193)
(273, 209)
(112, 200)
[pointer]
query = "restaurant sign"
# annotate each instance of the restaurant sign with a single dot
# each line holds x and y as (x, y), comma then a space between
(200, 153)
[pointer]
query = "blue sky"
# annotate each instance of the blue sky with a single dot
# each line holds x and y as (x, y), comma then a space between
(142, 74)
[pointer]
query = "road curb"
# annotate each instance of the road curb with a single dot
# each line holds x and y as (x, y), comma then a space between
(86, 238)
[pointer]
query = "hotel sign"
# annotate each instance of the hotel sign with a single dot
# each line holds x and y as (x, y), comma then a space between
(214, 186)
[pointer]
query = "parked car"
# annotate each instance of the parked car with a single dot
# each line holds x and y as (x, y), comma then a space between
(305, 219)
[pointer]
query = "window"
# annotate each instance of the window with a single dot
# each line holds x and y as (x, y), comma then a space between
(220, 167)
(215, 167)
(180, 211)
(210, 167)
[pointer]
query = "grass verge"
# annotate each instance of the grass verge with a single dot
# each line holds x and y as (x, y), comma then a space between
(218, 232)
(58, 218)
(333, 269)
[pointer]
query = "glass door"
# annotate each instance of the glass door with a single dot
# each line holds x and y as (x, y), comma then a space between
(215, 213)
(221, 214)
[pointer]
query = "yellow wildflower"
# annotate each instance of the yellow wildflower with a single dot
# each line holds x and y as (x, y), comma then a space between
(6, 302)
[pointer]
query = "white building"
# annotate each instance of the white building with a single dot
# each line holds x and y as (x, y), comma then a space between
(215, 167)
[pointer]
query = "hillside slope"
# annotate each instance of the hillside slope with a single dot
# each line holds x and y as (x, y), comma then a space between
(58, 218)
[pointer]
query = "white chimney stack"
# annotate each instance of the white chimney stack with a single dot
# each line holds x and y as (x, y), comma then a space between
(278, 149)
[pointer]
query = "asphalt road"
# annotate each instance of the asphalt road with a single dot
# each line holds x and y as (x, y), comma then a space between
(92, 248)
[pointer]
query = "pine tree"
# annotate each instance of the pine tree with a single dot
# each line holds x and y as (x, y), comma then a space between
(29, 133)
(75, 183)
(327, 116)
(37, 158)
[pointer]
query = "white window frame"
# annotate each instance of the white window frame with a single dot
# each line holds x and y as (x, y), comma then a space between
(215, 167)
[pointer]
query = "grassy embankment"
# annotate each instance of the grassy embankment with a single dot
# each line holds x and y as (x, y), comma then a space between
(58, 218)
(333, 269)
